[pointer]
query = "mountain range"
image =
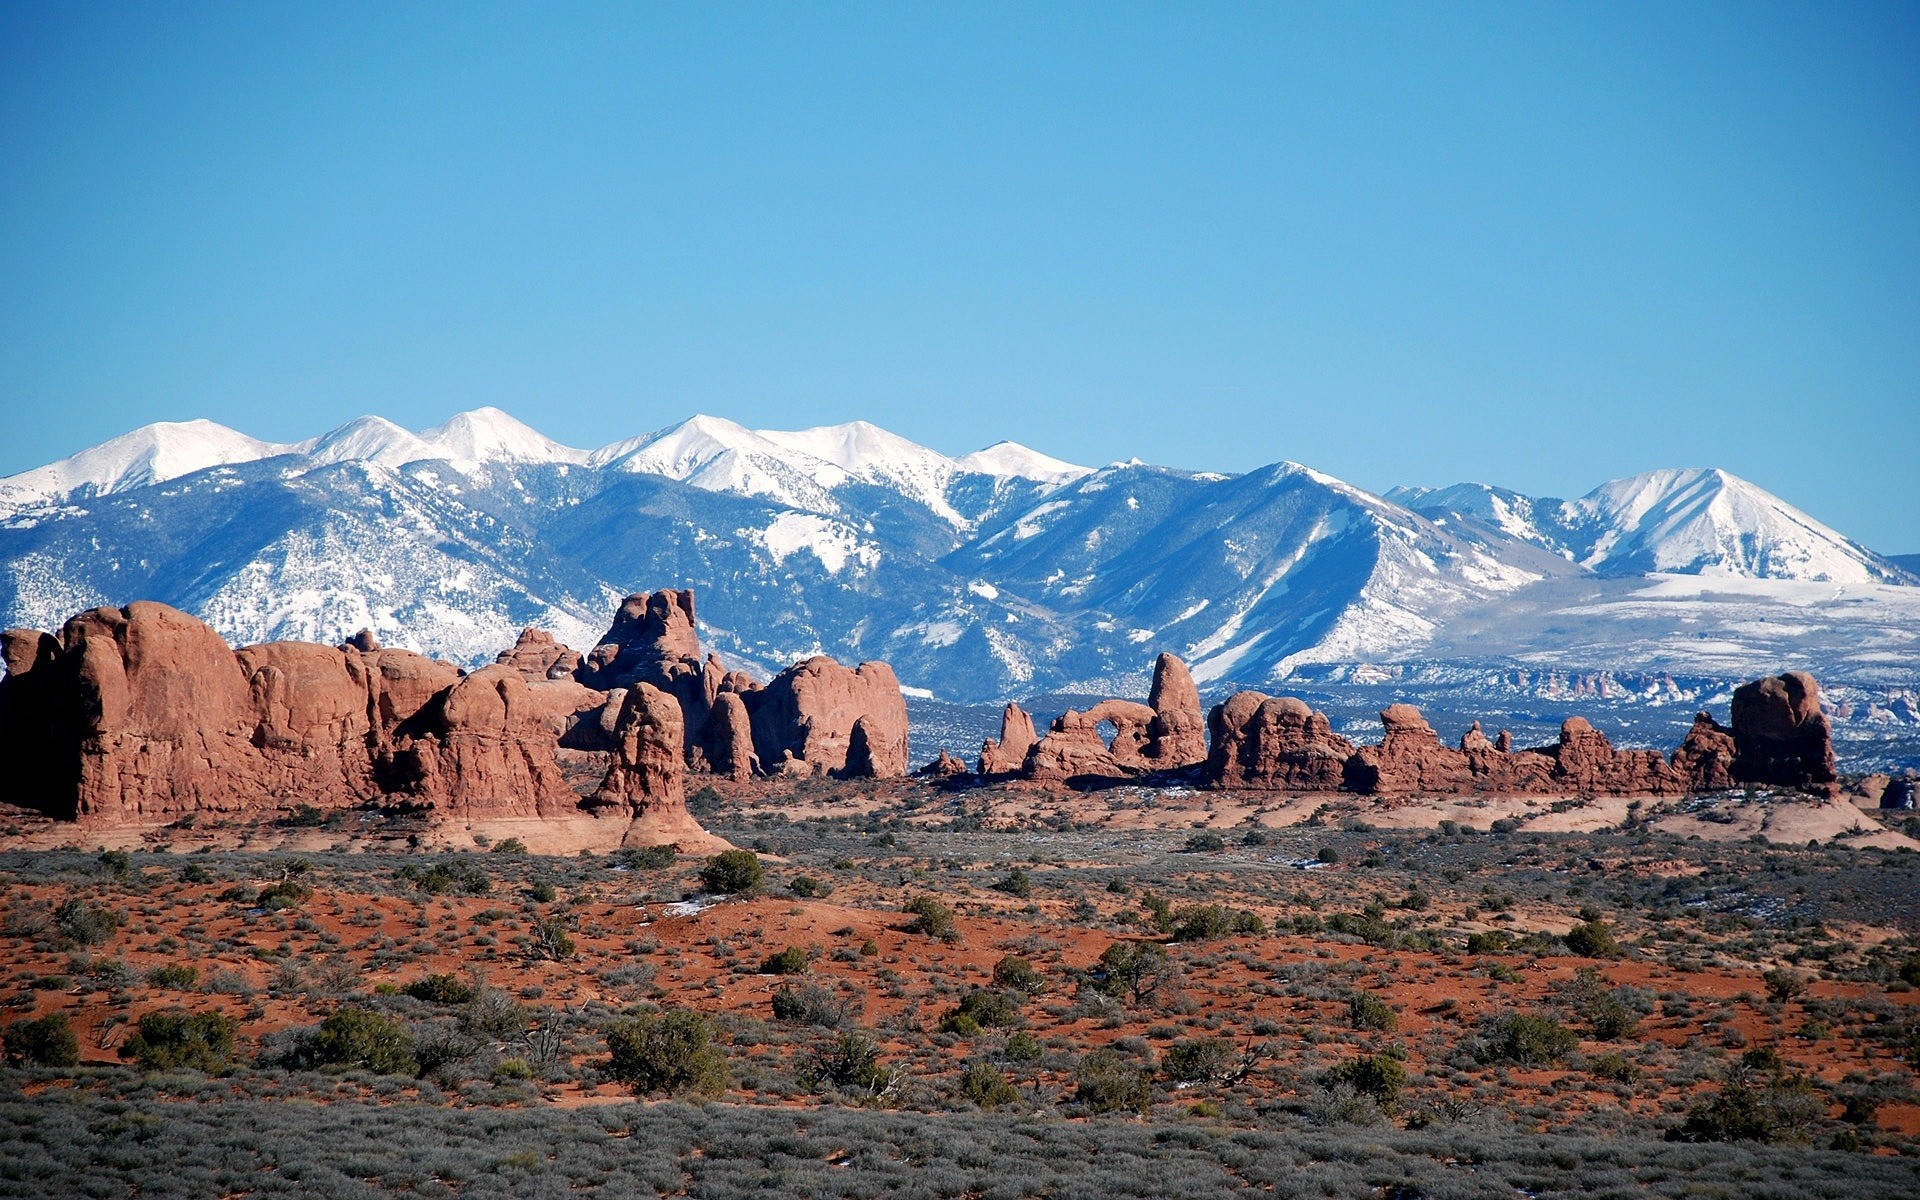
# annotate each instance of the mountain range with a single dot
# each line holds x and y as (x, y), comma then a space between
(999, 573)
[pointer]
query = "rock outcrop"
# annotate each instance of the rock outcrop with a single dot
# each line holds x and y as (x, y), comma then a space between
(1781, 738)
(1075, 749)
(538, 655)
(729, 738)
(810, 711)
(1705, 757)
(1177, 733)
(1280, 743)
(654, 640)
(1007, 754)
(143, 715)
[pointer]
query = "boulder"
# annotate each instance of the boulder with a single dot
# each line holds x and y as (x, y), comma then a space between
(944, 767)
(1781, 738)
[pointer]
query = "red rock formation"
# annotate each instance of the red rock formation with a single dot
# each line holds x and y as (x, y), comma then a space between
(654, 639)
(944, 767)
(1008, 754)
(1075, 749)
(1705, 757)
(143, 715)
(810, 709)
(1177, 733)
(1781, 737)
(537, 656)
(729, 738)
(1260, 741)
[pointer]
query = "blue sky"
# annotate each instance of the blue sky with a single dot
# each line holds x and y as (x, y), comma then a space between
(1538, 245)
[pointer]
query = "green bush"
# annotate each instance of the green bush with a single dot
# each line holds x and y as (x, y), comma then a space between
(177, 1038)
(808, 888)
(1024, 1049)
(1368, 1011)
(1016, 974)
(1783, 984)
(932, 918)
(810, 1004)
(1375, 1075)
(85, 924)
(1530, 1039)
(181, 977)
(1781, 1109)
(550, 939)
(1202, 922)
(439, 879)
(851, 1063)
(440, 989)
(671, 1051)
(1205, 843)
(195, 873)
(46, 1041)
(287, 893)
(361, 1038)
(791, 961)
(981, 1008)
(650, 858)
(1493, 941)
(733, 873)
(117, 863)
(1593, 939)
(983, 1084)
(1016, 883)
(1134, 970)
(512, 845)
(1105, 1082)
(1198, 1060)
(543, 892)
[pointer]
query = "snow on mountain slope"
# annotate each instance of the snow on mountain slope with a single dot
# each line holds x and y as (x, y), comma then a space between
(151, 454)
(1011, 460)
(487, 435)
(1694, 521)
(1709, 522)
(367, 439)
(872, 455)
(717, 455)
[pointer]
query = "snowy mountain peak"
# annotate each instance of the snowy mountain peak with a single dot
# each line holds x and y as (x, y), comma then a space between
(150, 454)
(487, 435)
(367, 439)
(1011, 460)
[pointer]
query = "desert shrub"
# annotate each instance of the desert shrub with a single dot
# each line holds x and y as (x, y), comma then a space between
(1368, 1011)
(195, 873)
(1205, 843)
(441, 878)
(1369, 926)
(1593, 939)
(671, 1051)
(283, 894)
(1783, 1108)
(733, 873)
(1106, 1082)
(1615, 1067)
(493, 1014)
(512, 845)
(550, 939)
(1201, 922)
(543, 892)
(1328, 855)
(117, 863)
(1134, 970)
(650, 858)
(791, 961)
(1016, 974)
(1198, 1060)
(808, 888)
(932, 918)
(985, 1085)
(1015, 883)
(440, 989)
(981, 1008)
(851, 1063)
(810, 1004)
(46, 1041)
(1023, 1049)
(181, 977)
(355, 1037)
(1493, 941)
(85, 924)
(176, 1038)
(1375, 1075)
(1530, 1039)
(1606, 1010)
(1783, 984)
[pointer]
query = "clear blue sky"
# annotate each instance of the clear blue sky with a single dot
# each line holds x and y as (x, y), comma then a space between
(1535, 244)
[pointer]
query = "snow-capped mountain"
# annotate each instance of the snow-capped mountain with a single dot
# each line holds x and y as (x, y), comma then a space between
(1001, 572)
(1696, 521)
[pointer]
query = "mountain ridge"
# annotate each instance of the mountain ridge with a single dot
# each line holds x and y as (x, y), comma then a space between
(991, 574)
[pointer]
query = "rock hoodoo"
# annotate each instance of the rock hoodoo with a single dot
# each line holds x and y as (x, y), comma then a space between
(1781, 738)
(1008, 753)
(1177, 733)
(810, 711)
(1261, 741)
(537, 656)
